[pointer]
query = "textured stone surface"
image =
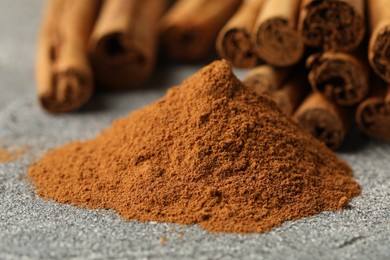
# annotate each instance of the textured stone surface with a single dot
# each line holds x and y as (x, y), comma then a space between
(33, 228)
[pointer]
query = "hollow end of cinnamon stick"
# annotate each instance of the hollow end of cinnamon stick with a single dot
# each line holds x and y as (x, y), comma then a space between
(323, 119)
(373, 114)
(234, 41)
(278, 43)
(341, 77)
(235, 45)
(333, 25)
(68, 92)
(120, 63)
(379, 50)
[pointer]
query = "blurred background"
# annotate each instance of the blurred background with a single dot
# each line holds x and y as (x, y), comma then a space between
(19, 26)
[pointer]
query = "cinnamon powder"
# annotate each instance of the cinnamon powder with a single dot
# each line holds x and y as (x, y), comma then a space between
(10, 155)
(212, 152)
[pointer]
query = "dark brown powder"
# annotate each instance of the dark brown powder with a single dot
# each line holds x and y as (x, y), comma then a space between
(211, 152)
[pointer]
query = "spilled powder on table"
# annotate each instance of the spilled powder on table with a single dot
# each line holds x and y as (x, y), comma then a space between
(211, 152)
(10, 155)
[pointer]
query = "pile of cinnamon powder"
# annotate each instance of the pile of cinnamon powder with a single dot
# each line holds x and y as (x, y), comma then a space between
(211, 152)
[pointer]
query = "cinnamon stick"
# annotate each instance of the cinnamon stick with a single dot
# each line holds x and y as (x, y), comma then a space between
(332, 24)
(64, 75)
(234, 40)
(373, 114)
(190, 28)
(325, 120)
(276, 38)
(341, 77)
(379, 46)
(266, 78)
(123, 44)
(291, 94)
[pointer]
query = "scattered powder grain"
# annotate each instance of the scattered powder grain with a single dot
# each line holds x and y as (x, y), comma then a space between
(163, 240)
(211, 152)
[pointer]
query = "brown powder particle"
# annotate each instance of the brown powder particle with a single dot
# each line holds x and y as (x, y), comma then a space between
(163, 240)
(211, 152)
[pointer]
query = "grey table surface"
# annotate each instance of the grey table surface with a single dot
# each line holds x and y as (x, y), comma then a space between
(32, 228)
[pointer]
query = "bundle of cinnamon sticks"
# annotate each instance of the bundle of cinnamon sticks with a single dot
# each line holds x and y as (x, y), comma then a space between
(262, 30)
(343, 87)
(111, 43)
(114, 43)
(310, 55)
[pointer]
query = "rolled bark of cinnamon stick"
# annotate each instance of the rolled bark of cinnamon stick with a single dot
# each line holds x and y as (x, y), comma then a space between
(379, 46)
(123, 44)
(333, 24)
(190, 28)
(276, 38)
(373, 114)
(64, 74)
(266, 78)
(291, 94)
(234, 40)
(325, 120)
(341, 77)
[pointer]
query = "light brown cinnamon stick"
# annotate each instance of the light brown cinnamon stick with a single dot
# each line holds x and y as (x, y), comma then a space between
(332, 24)
(123, 44)
(325, 120)
(266, 78)
(379, 46)
(373, 114)
(64, 75)
(234, 40)
(276, 38)
(190, 28)
(291, 94)
(341, 77)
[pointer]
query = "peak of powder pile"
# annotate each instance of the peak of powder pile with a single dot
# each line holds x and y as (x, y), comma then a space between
(211, 152)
